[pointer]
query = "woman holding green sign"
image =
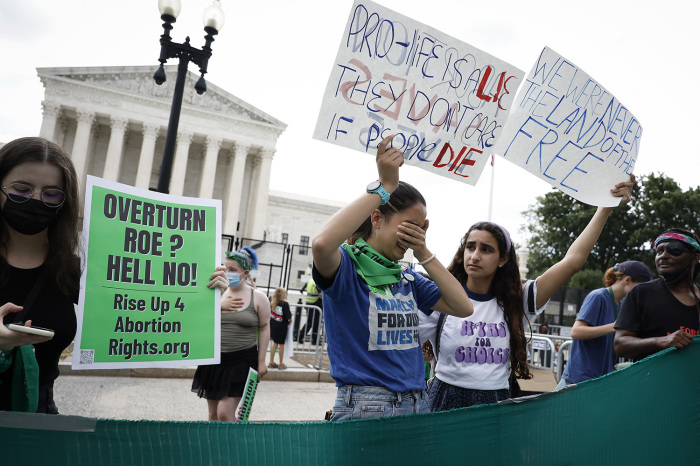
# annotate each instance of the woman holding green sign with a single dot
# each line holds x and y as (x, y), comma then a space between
(39, 271)
(245, 336)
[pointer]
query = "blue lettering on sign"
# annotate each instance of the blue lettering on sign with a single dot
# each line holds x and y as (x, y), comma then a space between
(572, 125)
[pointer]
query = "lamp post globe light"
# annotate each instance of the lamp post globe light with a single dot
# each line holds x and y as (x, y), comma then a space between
(213, 22)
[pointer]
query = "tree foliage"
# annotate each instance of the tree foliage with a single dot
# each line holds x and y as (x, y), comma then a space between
(658, 203)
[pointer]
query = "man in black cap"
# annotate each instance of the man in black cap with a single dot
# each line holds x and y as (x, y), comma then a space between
(665, 312)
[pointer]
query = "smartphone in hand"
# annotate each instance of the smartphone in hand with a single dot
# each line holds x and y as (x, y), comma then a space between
(44, 332)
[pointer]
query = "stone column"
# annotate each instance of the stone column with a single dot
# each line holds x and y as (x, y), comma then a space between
(52, 111)
(177, 178)
(115, 148)
(206, 186)
(259, 211)
(82, 141)
(61, 127)
(234, 187)
(151, 131)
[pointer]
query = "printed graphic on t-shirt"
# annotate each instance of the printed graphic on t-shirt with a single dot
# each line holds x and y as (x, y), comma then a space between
(482, 343)
(393, 322)
(277, 314)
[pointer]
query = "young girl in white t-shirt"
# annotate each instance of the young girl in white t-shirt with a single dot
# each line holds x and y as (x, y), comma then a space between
(476, 355)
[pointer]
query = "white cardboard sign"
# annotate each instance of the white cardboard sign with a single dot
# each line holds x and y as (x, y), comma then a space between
(446, 101)
(568, 130)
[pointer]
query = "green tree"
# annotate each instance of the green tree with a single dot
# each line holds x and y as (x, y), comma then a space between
(662, 204)
(658, 203)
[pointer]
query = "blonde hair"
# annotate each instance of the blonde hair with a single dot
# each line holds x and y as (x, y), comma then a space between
(279, 295)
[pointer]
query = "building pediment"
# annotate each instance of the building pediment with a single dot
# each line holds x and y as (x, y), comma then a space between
(137, 81)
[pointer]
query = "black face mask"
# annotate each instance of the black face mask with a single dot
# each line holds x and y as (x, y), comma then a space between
(29, 218)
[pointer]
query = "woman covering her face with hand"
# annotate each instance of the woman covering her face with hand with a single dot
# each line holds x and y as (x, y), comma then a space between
(39, 268)
(371, 305)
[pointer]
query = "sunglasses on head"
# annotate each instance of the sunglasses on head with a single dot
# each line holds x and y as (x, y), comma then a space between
(674, 248)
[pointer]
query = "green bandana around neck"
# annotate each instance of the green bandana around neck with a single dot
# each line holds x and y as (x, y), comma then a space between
(376, 270)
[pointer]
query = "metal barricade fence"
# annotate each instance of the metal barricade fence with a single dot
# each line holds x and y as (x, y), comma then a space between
(542, 353)
(310, 332)
(563, 351)
(563, 356)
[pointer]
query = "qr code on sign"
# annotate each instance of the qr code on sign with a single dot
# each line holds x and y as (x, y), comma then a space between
(87, 356)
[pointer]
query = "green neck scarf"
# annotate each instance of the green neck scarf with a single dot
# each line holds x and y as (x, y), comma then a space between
(376, 270)
(25, 377)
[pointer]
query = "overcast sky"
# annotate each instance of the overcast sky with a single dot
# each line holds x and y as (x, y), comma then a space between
(277, 56)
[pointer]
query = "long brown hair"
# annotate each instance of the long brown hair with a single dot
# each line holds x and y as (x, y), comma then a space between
(62, 262)
(507, 289)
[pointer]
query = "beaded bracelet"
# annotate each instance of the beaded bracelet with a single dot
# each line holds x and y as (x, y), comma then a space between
(427, 260)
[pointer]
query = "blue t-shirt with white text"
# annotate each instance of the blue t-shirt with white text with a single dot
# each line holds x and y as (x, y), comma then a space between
(373, 338)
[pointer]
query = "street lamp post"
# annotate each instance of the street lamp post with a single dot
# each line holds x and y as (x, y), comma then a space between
(213, 22)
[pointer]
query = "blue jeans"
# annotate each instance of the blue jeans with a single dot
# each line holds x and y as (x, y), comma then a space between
(358, 402)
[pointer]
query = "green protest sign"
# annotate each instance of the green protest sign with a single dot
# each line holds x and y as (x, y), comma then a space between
(144, 297)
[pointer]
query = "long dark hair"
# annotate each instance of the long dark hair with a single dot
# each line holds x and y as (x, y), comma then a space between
(507, 289)
(404, 197)
(62, 263)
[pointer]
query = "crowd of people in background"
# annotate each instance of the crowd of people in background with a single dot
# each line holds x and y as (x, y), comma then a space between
(399, 341)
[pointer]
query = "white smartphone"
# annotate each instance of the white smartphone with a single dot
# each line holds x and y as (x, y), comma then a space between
(44, 332)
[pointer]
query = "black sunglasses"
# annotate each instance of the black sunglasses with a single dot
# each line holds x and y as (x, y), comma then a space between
(674, 248)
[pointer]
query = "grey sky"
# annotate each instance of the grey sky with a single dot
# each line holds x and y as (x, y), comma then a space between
(276, 55)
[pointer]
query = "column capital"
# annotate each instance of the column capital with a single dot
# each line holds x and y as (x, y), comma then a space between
(85, 116)
(214, 142)
(51, 109)
(240, 148)
(184, 137)
(118, 122)
(267, 153)
(151, 129)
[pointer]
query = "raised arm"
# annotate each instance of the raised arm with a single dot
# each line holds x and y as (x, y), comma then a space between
(561, 272)
(348, 219)
(454, 299)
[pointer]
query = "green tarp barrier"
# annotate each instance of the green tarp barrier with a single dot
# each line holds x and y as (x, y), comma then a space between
(647, 413)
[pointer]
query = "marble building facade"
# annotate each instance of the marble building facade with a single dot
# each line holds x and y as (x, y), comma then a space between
(113, 121)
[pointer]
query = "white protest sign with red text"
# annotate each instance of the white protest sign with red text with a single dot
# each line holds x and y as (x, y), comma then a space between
(445, 100)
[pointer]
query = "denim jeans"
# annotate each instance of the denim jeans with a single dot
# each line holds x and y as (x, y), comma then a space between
(358, 402)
